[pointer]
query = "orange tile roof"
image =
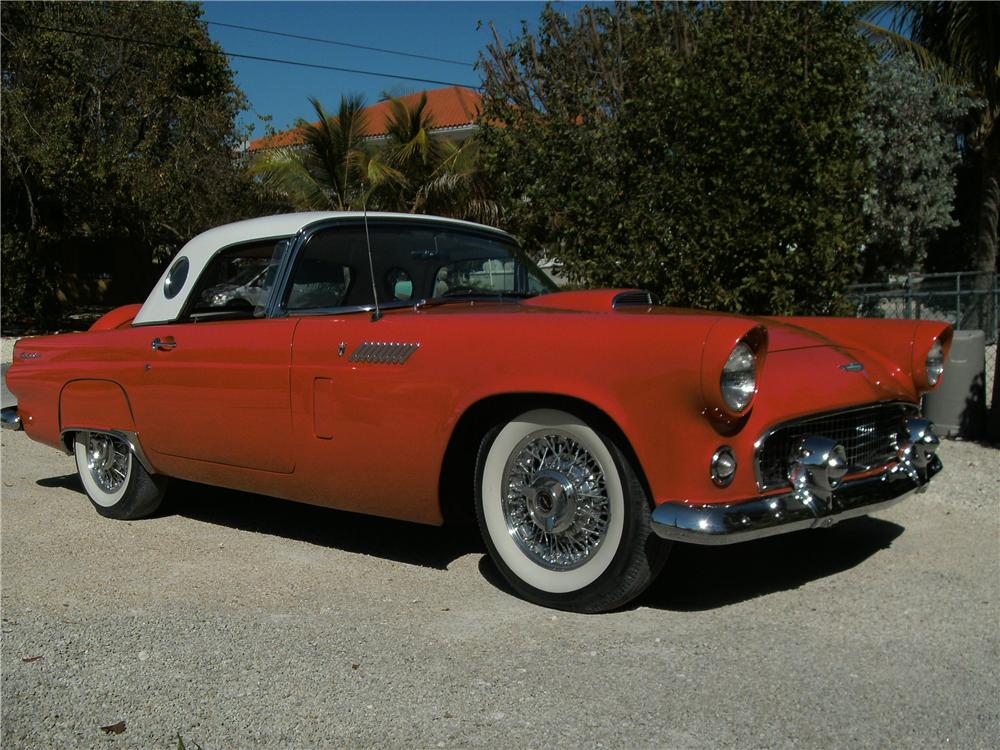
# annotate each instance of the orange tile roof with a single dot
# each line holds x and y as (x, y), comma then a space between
(449, 107)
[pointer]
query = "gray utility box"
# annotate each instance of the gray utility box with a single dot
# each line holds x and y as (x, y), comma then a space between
(958, 406)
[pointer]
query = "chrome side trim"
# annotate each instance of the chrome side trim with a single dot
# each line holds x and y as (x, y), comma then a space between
(11, 419)
(383, 352)
(131, 439)
(760, 517)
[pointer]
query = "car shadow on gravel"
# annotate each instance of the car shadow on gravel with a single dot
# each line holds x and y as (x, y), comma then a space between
(412, 543)
(699, 577)
(695, 577)
(66, 482)
(401, 541)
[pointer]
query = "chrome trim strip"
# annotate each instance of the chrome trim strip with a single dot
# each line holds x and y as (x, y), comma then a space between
(131, 439)
(11, 419)
(759, 442)
(760, 517)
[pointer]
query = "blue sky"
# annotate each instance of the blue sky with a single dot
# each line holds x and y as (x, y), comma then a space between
(439, 29)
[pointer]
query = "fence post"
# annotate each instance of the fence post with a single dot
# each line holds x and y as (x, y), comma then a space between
(958, 300)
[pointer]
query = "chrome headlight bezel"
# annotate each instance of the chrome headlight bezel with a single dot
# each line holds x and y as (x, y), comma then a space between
(738, 379)
(934, 363)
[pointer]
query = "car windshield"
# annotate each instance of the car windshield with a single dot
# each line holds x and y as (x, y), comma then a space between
(506, 272)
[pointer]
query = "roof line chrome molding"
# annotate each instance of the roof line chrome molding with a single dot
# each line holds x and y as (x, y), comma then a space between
(131, 439)
(759, 442)
(796, 510)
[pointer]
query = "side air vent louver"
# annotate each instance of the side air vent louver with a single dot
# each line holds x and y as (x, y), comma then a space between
(634, 298)
(383, 352)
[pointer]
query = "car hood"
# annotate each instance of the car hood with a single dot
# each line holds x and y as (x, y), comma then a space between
(782, 336)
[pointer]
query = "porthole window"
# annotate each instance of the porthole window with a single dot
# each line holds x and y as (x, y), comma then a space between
(175, 278)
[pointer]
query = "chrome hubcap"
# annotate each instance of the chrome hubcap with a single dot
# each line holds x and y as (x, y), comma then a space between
(555, 500)
(108, 461)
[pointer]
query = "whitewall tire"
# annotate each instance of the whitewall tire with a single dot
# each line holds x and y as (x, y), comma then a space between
(563, 513)
(116, 483)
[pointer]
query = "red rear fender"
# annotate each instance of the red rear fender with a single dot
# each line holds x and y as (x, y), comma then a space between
(117, 318)
(95, 404)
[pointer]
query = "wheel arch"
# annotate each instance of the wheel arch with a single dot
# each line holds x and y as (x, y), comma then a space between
(99, 405)
(457, 478)
(96, 404)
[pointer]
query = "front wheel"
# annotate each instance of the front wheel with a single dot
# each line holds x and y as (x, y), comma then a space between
(116, 483)
(563, 513)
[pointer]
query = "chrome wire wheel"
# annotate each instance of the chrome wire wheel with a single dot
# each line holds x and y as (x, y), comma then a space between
(555, 500)
(108, 461)
(550, 501)
(105, 465)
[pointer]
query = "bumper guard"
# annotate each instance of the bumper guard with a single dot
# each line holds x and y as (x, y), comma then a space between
(817, 497)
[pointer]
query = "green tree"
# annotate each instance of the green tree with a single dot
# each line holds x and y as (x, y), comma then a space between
(333, 168)
(336, 167)
(707, 152)
(119, 143)
(959, 42)
(908, 133)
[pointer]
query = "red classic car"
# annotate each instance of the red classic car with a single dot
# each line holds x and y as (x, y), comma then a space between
(413, 367)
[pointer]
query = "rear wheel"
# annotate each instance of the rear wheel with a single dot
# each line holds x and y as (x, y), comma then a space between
(563, 513)
(116, 483)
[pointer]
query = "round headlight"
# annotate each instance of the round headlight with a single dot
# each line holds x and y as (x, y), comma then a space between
(739, 377)
(934, 365)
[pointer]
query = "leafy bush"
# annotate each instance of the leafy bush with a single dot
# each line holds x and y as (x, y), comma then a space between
(111, 144)
(709, 153)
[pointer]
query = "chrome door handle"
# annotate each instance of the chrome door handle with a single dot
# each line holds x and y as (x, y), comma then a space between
(164, 344)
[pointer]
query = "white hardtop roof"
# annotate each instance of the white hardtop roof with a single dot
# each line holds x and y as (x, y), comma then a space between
(159, 309)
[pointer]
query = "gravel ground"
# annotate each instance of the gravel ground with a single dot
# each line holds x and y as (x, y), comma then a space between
(241, 621)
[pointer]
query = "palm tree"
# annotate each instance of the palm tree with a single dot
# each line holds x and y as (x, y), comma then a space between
(458, 187)
(410, 149)
(334, 168)
(337, 167)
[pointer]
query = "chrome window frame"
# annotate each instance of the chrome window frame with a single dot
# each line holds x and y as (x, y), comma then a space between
(276, 305)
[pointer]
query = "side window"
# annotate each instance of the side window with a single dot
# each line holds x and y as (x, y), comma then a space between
(411, 262)
(236, 282)
(325, 271)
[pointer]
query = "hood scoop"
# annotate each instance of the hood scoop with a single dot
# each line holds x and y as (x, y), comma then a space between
(595, 300)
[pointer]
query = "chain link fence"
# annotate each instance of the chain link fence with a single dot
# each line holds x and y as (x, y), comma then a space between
(967, 300)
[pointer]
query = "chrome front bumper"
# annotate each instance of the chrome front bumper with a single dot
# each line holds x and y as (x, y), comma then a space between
(791, 511)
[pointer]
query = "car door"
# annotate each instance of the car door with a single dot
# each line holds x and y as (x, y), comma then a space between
(219, 392)
(346, 415)
(214, 386)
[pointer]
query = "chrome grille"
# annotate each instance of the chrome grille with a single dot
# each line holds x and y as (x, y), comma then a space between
(870, 436)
